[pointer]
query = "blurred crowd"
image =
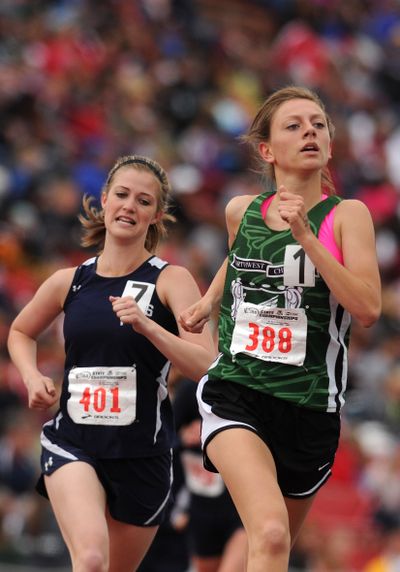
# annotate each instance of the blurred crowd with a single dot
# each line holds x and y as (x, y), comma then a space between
(82, 82)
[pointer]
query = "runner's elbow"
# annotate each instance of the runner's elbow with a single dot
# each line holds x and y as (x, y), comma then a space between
(368, 317)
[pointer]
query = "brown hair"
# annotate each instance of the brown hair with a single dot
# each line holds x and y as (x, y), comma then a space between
(92, 220)
(260, 129)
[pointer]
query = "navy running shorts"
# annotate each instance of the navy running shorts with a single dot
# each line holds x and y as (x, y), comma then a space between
(138, 490)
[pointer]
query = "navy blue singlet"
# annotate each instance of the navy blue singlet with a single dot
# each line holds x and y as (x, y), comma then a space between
(114, 401)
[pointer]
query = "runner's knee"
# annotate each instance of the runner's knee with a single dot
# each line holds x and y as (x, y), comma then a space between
(90, 559)
(272, 537)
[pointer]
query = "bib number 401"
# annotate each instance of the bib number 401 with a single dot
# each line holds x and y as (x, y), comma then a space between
(98, 399)
(102, 395)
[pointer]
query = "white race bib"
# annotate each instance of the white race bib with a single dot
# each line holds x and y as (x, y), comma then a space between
(102, 395)
(298, 270)
(270, 334)
(142, 292)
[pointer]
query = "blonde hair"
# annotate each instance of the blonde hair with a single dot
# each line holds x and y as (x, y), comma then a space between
(260, 129)
(92, 220)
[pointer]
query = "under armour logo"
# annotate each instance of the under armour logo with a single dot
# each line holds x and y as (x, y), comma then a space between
(48, 464)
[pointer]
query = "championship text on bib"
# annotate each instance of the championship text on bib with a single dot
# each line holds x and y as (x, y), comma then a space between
(102, 395)
(270, 334)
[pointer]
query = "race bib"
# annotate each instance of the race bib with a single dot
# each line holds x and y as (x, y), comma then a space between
(142, 292)
(298, 270)
(198, 480)
(102, 395)
(270, 334)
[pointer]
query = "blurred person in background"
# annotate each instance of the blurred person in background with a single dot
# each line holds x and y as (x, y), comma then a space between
(169, 550)
(302, 262)
(18, 473)
(216, 537)
(106, 455)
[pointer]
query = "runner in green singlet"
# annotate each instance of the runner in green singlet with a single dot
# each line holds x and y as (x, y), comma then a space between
(301, 263)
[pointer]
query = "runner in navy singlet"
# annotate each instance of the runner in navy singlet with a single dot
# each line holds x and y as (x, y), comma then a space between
(301, 263)
(106, 455)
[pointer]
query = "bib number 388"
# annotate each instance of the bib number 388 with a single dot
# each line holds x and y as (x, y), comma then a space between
(270, 334)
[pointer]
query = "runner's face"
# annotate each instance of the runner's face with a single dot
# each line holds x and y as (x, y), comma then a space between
(131, 203)
(300, 139)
